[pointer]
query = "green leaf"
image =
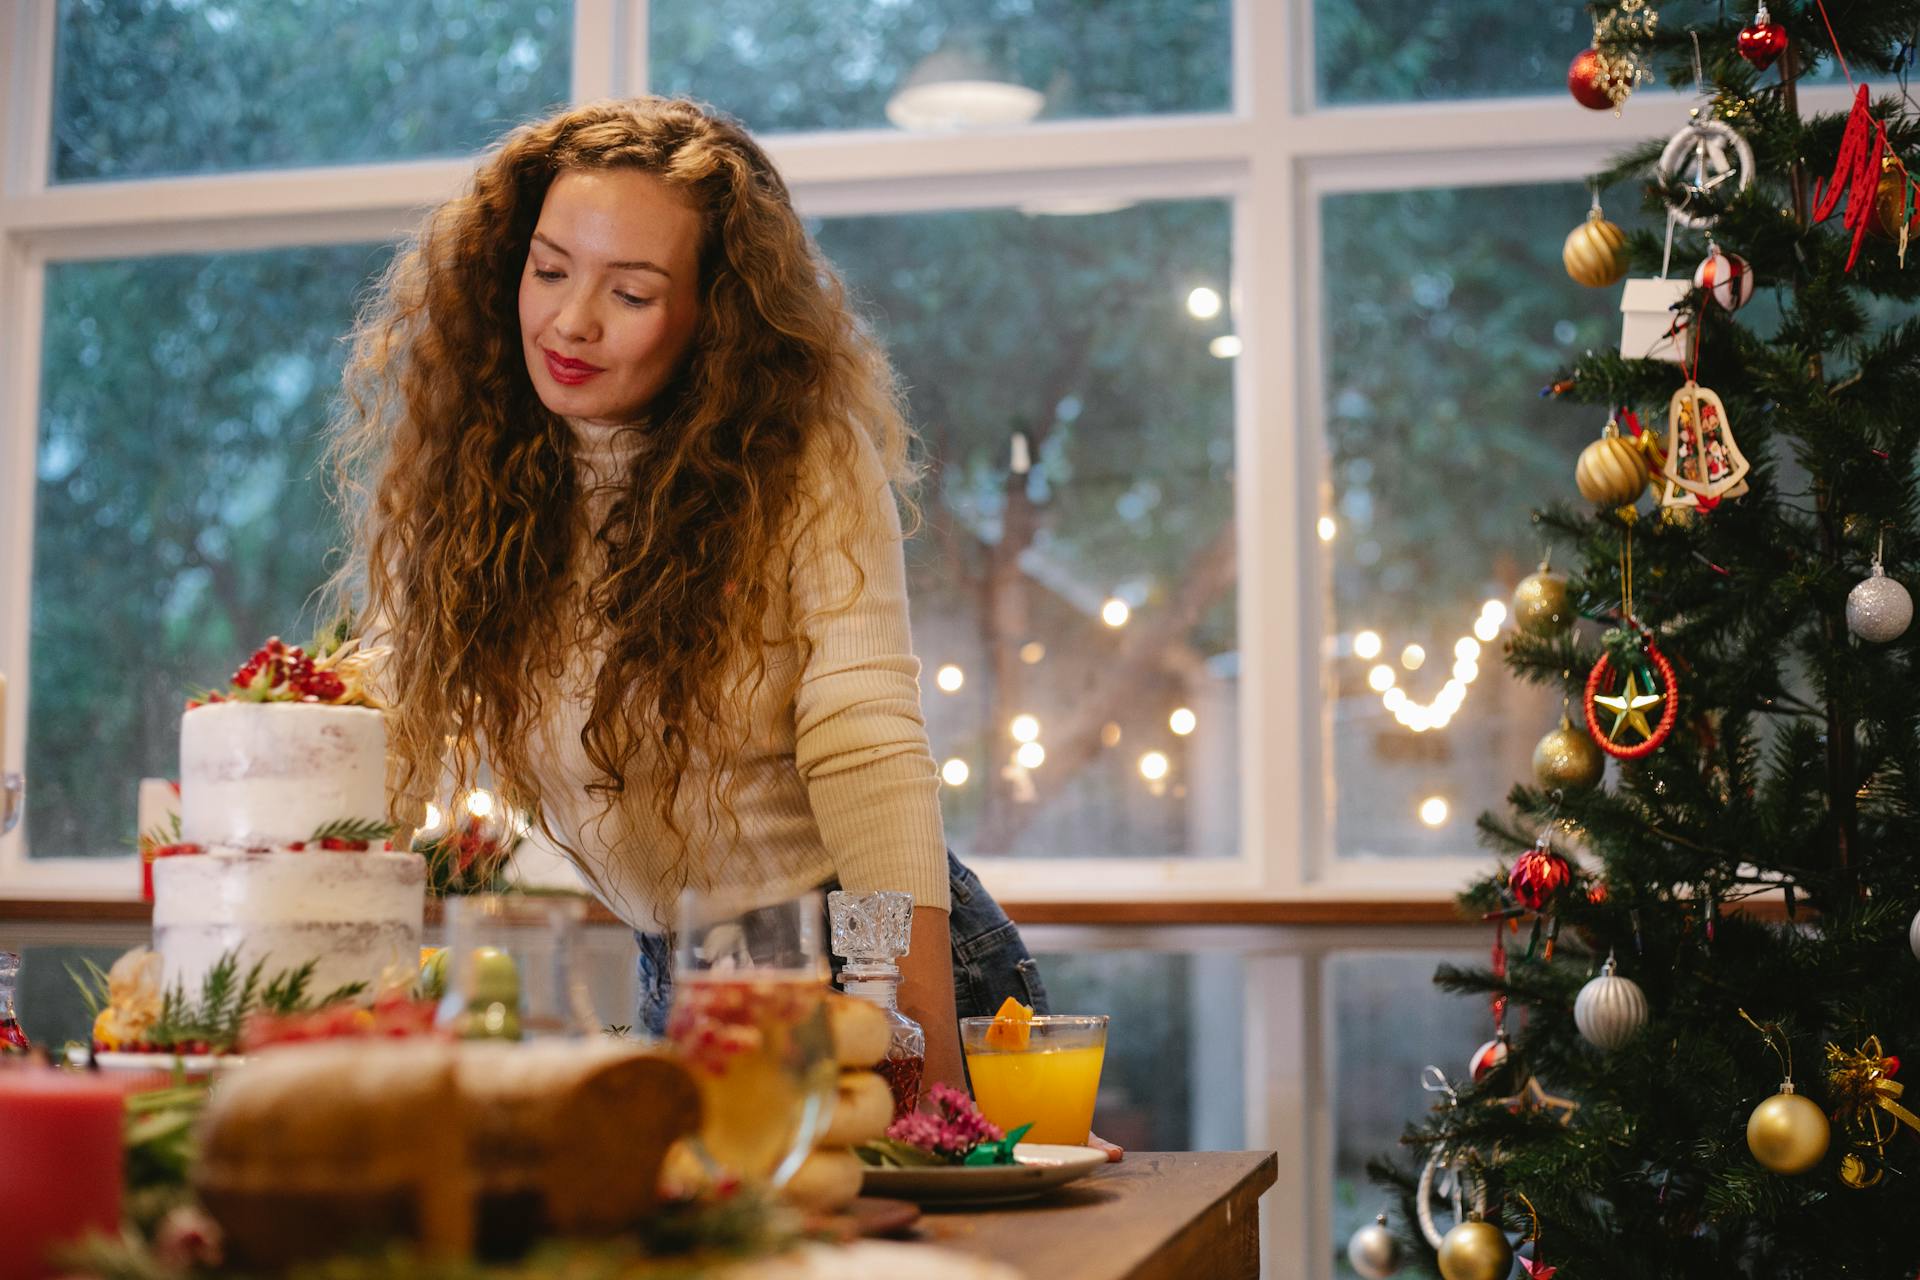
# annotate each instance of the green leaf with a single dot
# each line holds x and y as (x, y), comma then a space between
(352, 829)
(95, 994)
(891, 1153)
(997, 1153)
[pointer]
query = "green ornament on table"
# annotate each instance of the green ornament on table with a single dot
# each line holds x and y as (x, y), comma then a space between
(490, 1002)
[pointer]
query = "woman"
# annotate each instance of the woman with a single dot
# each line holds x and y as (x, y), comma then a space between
(621, 467)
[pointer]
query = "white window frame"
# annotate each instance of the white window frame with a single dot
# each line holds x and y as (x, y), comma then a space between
(1274, 156)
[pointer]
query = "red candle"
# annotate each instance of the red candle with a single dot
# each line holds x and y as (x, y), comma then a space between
(60, 1165)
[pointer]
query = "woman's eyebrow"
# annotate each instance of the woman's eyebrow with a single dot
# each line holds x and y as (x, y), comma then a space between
(638, 265)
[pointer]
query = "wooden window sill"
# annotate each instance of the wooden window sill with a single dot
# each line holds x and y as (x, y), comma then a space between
(1328, 912)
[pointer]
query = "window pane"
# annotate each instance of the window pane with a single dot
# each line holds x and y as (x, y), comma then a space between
(178, 516)
(1174, 1070)
(1439, 336)
(1074, 333)
(834, 64)
(1417, 51)
(150, 89)
(1389, 1023)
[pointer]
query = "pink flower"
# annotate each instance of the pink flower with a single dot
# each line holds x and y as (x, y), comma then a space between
(958, 1129)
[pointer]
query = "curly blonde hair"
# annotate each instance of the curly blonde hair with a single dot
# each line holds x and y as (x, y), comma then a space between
(459, 484)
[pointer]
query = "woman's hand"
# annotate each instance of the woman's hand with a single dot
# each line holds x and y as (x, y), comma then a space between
(1114, 1154)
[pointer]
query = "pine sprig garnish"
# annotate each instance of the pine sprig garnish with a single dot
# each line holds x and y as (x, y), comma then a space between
(352, 829)
(345, 991)
(93, 988)
(223, 1021)
(212, 1019)
(218, 995)
(287, 993)
(162, 835)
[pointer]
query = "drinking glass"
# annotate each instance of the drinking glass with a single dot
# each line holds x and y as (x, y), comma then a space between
(749, 1019)
(514, 968)
(1047, 1077)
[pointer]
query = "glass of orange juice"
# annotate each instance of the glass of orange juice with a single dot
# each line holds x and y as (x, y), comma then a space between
(1046, 1078)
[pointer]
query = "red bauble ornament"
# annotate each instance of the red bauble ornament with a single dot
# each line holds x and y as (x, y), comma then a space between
(1625, 699)
(1724, 277)
(1587, 81)
(1537, 876)
(1763, 40)
(1490, 1056)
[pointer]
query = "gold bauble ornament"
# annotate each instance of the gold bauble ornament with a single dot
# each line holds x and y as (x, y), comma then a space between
(1595, 253)
(1889, 197)
(1787, 1133)
(1475, 1251)
(1611, 471)
(1567, 759)
(1540, 603)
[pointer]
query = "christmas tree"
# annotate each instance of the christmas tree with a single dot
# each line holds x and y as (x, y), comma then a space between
(1727, 908)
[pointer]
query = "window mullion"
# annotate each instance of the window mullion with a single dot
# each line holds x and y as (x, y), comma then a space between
(597, 64)
(22, 280)
(26, 107)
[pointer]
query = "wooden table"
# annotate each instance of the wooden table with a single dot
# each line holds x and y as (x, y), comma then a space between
(1184, 1215)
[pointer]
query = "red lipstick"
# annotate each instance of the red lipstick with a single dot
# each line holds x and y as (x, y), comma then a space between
(568, 372)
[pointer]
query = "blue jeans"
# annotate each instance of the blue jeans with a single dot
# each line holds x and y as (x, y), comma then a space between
(990, 962)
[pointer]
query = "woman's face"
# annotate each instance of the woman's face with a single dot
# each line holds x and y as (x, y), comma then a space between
(609, 299)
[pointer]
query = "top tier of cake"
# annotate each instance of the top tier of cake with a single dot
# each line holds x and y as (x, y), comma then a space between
(257, 775)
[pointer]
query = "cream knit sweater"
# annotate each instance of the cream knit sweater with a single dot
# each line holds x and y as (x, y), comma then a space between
(836, 777)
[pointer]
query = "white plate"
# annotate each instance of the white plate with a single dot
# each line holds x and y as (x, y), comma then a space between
(194, 1064)
(1037, 1169)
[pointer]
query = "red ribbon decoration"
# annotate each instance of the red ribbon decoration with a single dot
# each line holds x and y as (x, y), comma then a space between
(1856, 173)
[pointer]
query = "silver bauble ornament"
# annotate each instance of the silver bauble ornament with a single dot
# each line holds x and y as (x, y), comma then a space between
(1787, 1133)
(1374, 1251)
(1913, 935)
(1475, 1251)
(1610, 1010)
(1879, 609)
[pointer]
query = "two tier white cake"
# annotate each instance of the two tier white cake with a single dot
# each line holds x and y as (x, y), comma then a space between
(276, 803)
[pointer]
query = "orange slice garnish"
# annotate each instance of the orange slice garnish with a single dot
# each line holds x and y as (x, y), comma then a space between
(1011, 1026)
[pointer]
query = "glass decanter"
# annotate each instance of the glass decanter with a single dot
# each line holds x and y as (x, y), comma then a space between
(12, 1038)
(871, 931)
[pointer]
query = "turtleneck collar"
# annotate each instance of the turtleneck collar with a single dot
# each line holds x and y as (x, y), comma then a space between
(602, 451)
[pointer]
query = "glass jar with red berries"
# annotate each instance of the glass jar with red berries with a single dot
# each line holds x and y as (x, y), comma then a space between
(871, 931)
(12, 1038)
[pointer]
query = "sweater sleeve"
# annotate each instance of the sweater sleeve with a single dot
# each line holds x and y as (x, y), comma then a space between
(860, 739)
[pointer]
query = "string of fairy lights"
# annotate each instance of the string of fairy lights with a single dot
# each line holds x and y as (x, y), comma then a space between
(1437, 713)
(1025, 729)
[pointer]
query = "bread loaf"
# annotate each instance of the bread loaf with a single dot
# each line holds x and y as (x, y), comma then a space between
(311, 1149)
(861, 1112)
(861, 1032)
(828, 1181)
(571, 1123)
